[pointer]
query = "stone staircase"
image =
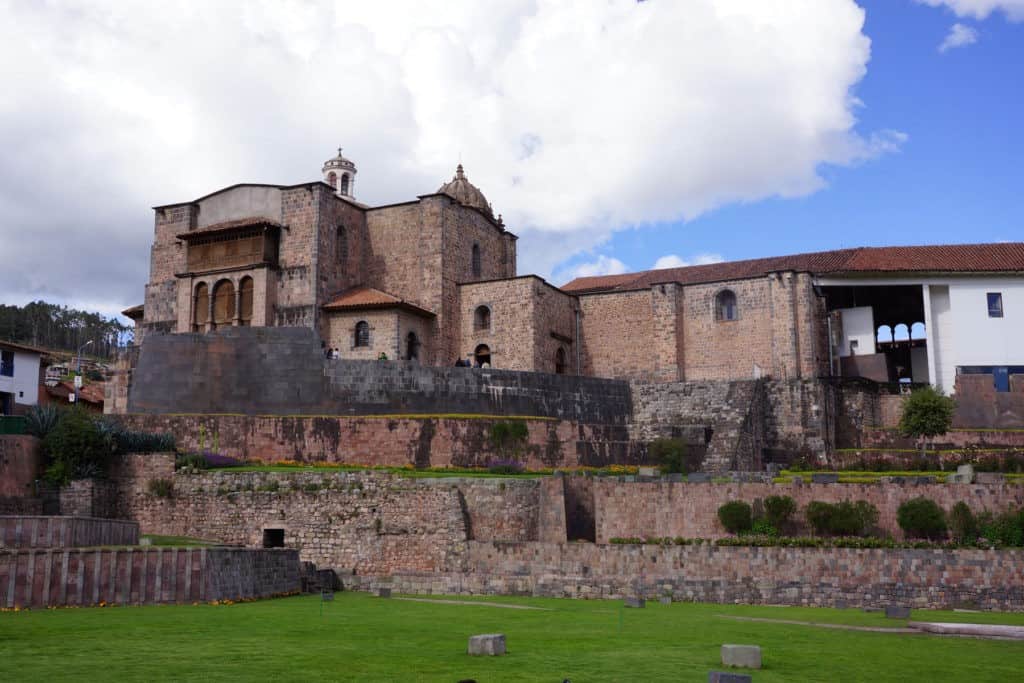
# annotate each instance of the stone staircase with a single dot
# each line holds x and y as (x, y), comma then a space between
(724, 420)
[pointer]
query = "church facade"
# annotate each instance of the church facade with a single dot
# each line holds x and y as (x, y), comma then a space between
(434, 280)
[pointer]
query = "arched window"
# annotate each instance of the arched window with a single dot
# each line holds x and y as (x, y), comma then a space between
(901, 332)
(341, 244)
(482, 318)
(725, 305)
(917, 331)
(560, 361)
(884, 334)
(362, 333)
(332, 180)
(201, 308)
(482, 355)
(412, 347)
(223, 303)
(477, 267)
(344, 183)
(245, 289)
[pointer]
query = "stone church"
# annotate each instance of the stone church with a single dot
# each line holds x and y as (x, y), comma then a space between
(433, 280)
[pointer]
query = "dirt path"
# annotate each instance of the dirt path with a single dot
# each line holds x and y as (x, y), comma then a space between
(841, 627)
(474, 603)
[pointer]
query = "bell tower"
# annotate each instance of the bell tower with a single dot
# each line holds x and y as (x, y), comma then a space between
(340, 173)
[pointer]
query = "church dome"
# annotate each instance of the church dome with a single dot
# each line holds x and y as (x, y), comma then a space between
(339, 163)
(466, 193)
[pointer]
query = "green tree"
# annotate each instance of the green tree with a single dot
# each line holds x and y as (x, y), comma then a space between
(926, 412)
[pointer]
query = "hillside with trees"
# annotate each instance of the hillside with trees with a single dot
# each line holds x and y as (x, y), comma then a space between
(59, 328)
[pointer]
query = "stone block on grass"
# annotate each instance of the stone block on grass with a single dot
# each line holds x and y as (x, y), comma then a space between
(491, 644)
(825, 478)
(897, 612)
(635, 602)
(746, 656)
(989, 478)
(725, 677)
(698, 477)
(382, 591)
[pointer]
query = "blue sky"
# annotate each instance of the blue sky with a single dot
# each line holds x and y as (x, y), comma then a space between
(959, 176)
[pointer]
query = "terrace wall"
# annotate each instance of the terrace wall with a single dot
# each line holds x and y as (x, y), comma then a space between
(671, 509)
(65, 532)
(924, 579)
(389, 441)
(282, 371)
(143, 576)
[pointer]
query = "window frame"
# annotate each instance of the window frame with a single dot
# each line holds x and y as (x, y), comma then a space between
(361, 335)
(720, 310)
(997, 298)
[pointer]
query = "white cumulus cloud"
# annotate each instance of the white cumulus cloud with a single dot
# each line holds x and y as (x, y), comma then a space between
(959, 35)
(602, 265)
(980, 9)
(575, 118)
(674, 261)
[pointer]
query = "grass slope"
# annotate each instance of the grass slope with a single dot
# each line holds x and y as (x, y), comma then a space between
(360, 638)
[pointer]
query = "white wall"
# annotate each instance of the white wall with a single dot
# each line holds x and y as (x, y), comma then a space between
(979, 339)
(25, 383)
(859, 325)
(941, 339)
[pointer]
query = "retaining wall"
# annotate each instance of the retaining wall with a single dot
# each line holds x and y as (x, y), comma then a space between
(395, 441)
(140, 576)
(65, 532)
(282, 371)
(670, 509)
(925, 579)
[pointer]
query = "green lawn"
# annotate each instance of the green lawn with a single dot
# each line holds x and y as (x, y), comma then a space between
(361, 638)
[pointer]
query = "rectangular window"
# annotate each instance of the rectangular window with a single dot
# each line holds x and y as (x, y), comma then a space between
(995, 304)
(7, 363)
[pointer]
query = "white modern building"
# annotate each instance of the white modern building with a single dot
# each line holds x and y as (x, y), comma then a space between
(19, 377)
(929, 327)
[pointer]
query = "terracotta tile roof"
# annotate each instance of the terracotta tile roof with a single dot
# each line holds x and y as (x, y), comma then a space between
(947, 258)
(361, 298)
(227, 226)
(22, 347)
(90, 393)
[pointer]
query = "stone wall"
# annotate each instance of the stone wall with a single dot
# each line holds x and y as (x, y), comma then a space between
(143, 576)
(923, 579)
(20, 465)
(65, 532)
(392, 441)
(88, 498)
(282, 371)
(979, 405)
(671, 509)
(370, 523)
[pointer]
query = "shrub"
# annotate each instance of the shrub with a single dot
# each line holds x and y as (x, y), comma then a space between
(76, 446)
(819, 516)
(963, 526)
(922, 518)
(671, 455)
(841, 519)
(1005, 530)
(926, 412)
(161, 488)
(40, 420)
(778, 510)
(509, 438)
(217, 460)
(189, 461)
(763, 527)
(735, 516)
(505, 467)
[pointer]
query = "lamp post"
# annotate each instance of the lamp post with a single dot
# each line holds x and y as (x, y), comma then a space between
(78, 369)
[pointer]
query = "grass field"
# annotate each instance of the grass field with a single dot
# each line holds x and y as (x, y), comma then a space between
(360, 638)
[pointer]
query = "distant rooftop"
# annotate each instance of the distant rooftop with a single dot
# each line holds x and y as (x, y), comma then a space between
(1003, 257)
